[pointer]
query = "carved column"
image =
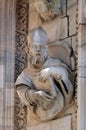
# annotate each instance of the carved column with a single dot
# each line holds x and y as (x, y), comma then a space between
(7, 45)
(82, 67)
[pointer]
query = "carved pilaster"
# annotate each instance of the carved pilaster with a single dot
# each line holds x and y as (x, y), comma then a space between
(20, 58)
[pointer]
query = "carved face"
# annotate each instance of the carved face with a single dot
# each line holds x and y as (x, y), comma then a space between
(47, 9)
(41, 8)
(38, 53)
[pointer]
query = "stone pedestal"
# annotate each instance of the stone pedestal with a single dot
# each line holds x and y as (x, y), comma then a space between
(64, 123)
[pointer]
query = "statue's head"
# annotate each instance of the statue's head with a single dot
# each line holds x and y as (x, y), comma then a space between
(38, 50)
(47, 9)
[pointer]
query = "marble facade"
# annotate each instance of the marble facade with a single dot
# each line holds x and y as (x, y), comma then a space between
(69, 28)
(62, 30)
(7, 46)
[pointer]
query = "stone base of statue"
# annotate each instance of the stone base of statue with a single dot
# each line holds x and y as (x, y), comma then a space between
(65, 123)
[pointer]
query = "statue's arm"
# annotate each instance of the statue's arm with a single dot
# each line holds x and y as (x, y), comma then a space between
(32, 97)
(61, 76)
(26, 94)
(64, 82)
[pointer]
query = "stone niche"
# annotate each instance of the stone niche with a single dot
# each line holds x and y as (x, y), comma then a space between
(67, 121)
(60, 46)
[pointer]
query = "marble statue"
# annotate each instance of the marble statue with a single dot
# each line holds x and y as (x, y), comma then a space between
(48, 9)
(45, 85)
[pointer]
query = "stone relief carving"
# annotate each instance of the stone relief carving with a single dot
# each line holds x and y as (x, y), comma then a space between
(20, 111)
(48, 9)
(45, 85)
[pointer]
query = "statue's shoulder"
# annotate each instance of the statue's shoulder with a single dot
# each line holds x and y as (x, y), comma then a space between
(25, 72)
(54, 61)
(57, 63)
(23, 78)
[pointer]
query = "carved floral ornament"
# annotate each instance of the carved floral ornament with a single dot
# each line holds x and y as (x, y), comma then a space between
(48, 9)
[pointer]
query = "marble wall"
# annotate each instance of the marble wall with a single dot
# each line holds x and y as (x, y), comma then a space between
(63, 29)
(82, 67)
(68, 28)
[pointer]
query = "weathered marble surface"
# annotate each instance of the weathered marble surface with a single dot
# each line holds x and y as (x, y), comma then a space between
(59, 124)
(45, 86)
(58, 29)
(7, 45)
(82, 69)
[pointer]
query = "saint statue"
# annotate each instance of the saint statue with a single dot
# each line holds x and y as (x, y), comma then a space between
(45, 85)
(48, 9)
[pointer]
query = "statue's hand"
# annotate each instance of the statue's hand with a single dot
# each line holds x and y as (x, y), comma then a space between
(49, 72)
(43, 95)
(44, 100)
(44, 74)
(55, 72)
